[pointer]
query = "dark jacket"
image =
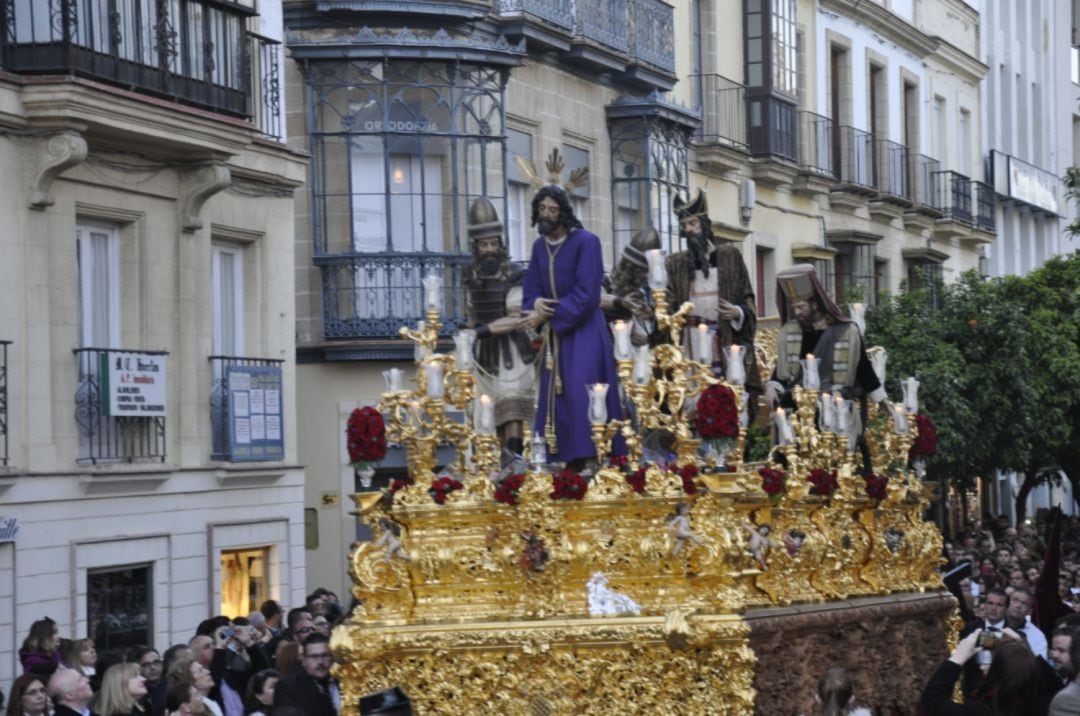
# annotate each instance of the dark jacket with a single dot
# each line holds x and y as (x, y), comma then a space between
(61, 710)
(301, 691)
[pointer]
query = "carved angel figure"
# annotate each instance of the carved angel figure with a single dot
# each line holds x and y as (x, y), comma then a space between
(679, 529)
(604, 600)
(759, 543)
(391, 540)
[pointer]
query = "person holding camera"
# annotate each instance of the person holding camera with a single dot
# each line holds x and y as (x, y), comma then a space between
(236, 659)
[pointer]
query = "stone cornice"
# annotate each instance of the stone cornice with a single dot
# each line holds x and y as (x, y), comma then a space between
(959, 61)
(891, 26)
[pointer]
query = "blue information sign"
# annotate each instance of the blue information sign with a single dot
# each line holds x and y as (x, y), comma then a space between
(255, 416)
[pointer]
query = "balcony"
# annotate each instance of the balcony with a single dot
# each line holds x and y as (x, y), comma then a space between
(771, 127)
(4, 402)
(890, 171)
(985, 207)
(120, 405)
(924, 174)
(853, 158)
(192, 51)
(954, 196)
(559, 13)
(604, 22)
(652, 33)
(248, 427)
(815, 143)
(371, 296)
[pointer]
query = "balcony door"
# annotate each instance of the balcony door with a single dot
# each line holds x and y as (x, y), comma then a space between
(227, 271)
(98, 254)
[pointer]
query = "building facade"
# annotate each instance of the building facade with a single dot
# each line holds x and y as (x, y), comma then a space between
(148, 454)
(843, 133)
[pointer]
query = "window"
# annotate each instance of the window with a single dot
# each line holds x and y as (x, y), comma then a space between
(119, 606)
(909, 118)
(855, 273)
(576, 158)
(244, 582)
(926, 276)
(939, 130)
(765, 279)
(771, 71)
(227, 269)
(964, 141)
(519, 199)
(98, 252)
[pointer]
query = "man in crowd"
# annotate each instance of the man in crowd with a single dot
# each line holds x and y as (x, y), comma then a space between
(202, 648)
(993, 622)
(310, 688)
(504, 353)
(273, 613)
(70, 693)
(1018, 617)
(712, 274)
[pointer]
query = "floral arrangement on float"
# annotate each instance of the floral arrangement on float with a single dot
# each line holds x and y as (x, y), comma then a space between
(366, 441)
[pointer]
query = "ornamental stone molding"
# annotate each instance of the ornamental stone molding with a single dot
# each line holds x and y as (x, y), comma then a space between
(56, 154)
(196, 186)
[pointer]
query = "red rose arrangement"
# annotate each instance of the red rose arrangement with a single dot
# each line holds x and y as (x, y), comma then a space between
(620, 461)
(398, 485)
(688, 473)
(568, 485)
(366, 434)
(823, 482)
(876, 486)
(636, 479)
(773, 482)
(443, 486)
(717, 413)
(925, 444)
(508, 490)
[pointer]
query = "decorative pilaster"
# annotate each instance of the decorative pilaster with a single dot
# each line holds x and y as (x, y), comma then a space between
(196, 186)
(56, 154)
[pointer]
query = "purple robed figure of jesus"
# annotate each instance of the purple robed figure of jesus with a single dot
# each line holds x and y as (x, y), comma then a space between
(584, 353)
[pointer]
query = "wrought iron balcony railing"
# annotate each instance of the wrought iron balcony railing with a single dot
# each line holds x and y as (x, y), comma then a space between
(220, 398)
(985, 207)
(559, 13)
(373, 295)
(193, 51)
(265, 96)
(924, 175)
(4, 402)
(604, 22)
(652, 33)
(954, 192)
(723, 110)
(815, 143)
(112, 438)
(890, 169)
(853, 156)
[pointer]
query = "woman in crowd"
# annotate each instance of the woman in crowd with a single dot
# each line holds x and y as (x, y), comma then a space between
(41, 650)
(259, 699)
(1012, 687)
(186, 670)
(836, 694)
(28, 697)
(80, 654)
(183, 700)
(123, 692)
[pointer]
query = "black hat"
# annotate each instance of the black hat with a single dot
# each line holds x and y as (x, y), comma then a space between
(685, 209)
(643, 241)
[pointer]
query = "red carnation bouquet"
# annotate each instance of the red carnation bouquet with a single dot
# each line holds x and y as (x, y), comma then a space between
(688, 473)
(568, 485)
(876, 486)
(925, 444)
(636, 480)
(773, 482)
(508, 490)
(366, 434)
(443, 486)
(823, 482)
(717, 413)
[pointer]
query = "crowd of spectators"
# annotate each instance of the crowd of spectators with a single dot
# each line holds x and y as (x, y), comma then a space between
(269, 663)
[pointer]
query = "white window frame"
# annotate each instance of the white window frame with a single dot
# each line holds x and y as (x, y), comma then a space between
(218, 249)
(87, 270)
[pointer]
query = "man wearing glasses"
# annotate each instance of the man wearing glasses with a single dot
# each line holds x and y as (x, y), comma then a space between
(310, 688)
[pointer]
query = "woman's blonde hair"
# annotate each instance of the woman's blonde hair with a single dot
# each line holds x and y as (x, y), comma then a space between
(114, 697)
(73, 651)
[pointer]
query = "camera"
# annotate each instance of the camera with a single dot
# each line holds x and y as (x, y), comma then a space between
(227, 633)
(988, 639)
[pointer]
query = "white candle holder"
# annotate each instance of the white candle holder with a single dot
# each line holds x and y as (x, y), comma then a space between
(878, 358)
(858, 315)
(463, 349)
(435, 386)
(826, 413)
(393, 378)
(414, 413)
(623, 348)
(744, 410)
(420, 350)
(657, 270)
(911, 394)
(842, 419)
(900, 421)
(734, 368)
(784, 434)
(642, 372)
(598, 403)
(811, 378)
(701, 337)
(484, 416)
(432, 292)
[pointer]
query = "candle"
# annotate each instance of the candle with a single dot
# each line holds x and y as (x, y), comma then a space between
(463, 349)
(623, 349)
(414, 413)
(900, 421)
(744, 410)
(393, 379)
(642, 372)
(657, 270)
(878, 357)
(911, 394)
(598, 403)
(420, 350)
(702, 344)
(811, 380)
(858, 314)
(842, 413)
(783, 428)
(734, 368)
(432, 292)
(484, 417)
(434, 373)
(827, 412)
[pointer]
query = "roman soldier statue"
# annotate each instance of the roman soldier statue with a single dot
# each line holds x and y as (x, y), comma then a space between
(626, 294)
(503, 350)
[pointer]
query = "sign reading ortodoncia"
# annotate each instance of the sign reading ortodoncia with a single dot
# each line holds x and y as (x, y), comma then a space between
(132, 385)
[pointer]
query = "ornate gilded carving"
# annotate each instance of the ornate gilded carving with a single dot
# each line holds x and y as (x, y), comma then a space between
(56, 154)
